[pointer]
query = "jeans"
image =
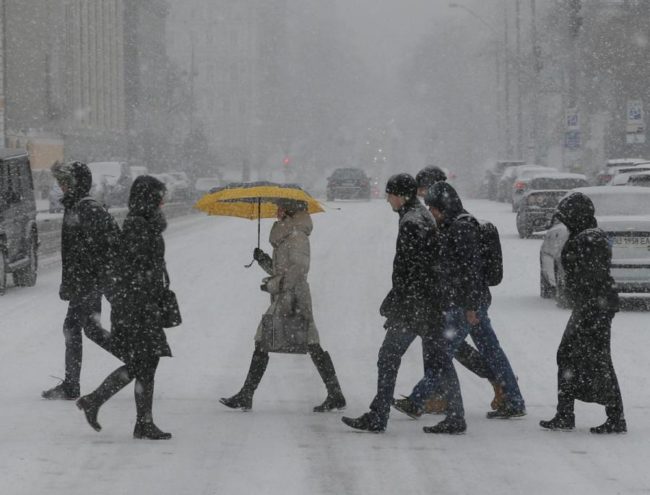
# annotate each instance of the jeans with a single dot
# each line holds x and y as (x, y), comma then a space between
(456, 330)
(83, 315)
(396, 342)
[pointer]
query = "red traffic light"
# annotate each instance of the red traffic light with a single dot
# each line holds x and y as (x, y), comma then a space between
(286, 160)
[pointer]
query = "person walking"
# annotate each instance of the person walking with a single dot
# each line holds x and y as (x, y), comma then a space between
(89, 238)
(411, 306)
(584, 360)
(137, 334)
(290, 294)
(466, 355)
(466, 313)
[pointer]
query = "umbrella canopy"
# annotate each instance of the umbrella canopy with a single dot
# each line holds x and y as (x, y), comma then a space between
(253, 200)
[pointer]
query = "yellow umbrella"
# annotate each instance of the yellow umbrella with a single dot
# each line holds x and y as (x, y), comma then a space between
(253, 200)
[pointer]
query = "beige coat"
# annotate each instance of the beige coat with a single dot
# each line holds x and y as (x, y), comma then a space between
(287, 283)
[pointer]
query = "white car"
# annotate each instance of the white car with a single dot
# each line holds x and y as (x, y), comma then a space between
(182, 189)
(624, 214)
(622, 176)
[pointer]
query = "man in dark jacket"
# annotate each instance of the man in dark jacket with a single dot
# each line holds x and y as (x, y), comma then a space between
(89, 239)
(585, 369)
(468, 299)
(466, 355)
(408, 306)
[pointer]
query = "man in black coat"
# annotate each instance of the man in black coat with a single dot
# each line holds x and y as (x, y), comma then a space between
(409, 307)
(89, 240)
(466, 313)
(585, 369)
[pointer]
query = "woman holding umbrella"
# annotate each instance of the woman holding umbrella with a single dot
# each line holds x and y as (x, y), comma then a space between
(290, 294)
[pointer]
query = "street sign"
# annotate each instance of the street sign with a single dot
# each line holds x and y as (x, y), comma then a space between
(572, 140)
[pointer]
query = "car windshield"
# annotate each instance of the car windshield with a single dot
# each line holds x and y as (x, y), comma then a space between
(623, 201)
(546, 199)
(556, 183)
(348, 173)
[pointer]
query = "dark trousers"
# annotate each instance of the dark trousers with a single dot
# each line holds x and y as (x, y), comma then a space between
(83, 316)
(436, 357)
(585, 368)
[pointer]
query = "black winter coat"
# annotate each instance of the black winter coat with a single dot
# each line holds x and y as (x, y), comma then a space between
(413, 300)
(585, 369)
(89, 240)
(137, 333)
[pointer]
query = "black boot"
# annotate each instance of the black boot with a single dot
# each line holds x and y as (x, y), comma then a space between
(91, 403)
(451, 425)
(244, 398)
(365, 422)
(561, 421)
(408, 407)
(144, 425)
(325, 367)
(612, 425)
(63, 391)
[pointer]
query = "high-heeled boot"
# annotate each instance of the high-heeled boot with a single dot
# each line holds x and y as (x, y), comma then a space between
(112, 384)
(144, 425)
(244, 398)
(325, 367)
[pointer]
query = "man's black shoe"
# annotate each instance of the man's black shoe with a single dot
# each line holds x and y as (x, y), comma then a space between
(63, 391)
(563, 422)
(238, 401)
(408, 407)
(331, 403)
(610, 426)
(365, 422)
(506, 413)
(450, 425)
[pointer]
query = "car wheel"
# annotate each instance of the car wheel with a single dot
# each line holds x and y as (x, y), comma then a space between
(3, 272)
(26, 277)
(561, 297)
(545, 288)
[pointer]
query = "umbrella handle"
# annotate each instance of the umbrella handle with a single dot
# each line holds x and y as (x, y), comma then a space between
(259, 216)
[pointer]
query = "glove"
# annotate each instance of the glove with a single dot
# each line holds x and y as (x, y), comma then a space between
(264, 287)
(259, 255)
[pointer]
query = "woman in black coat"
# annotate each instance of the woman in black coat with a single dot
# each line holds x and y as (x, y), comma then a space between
(585, 369)
(137, 335)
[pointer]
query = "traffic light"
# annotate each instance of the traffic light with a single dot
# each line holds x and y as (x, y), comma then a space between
(286, 161)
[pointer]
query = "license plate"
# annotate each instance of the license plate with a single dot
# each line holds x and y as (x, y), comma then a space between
(631, 242)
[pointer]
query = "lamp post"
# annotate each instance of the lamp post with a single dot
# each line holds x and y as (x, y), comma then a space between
(503, 106)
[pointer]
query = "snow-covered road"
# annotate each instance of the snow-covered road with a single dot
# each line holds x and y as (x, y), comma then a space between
(46, 447)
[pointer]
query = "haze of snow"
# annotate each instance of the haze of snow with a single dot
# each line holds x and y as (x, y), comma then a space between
(281, 446)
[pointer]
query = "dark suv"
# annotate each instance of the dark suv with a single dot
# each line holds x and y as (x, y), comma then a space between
(348, 183)
(18, 232)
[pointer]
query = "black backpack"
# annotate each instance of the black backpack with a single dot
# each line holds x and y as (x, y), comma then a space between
(490, 250)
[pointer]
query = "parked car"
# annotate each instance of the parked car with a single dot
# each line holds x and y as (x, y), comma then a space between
(137, 171)
(606, 174)
(348, 183)
(621, 175)
(111, 182)
(624, 214)
(182, 187)
(536, 209)
(641, 179)
(513, 174)
(492, 176)
(54, 197)
(203, 185)
(18, 230)
(546, 181)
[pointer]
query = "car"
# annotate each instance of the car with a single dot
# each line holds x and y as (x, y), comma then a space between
(182, 189)
(54, 198)
(624, 214)
(348, 183)
(513, 174)
(621, 175)
(536, 210)
(641, 179)
(18, 229)
(137, 171)
(111, 182)
(545, 181)
(492, 176)
(606, 174)
(204, 185)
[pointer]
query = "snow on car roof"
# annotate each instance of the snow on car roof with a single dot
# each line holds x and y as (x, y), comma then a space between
(560, 175)
(625, 161)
